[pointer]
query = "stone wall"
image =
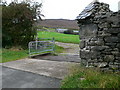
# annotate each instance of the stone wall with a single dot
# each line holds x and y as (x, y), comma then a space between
(100, 40)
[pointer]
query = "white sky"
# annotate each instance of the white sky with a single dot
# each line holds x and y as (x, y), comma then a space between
(69, 9)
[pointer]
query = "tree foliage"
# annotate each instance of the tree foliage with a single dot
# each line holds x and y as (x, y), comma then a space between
(17, 23)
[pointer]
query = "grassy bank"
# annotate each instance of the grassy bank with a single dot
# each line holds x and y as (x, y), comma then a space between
(90, 78)
(60, 37)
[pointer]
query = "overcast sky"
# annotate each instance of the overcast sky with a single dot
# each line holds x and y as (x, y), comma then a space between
(69, 9)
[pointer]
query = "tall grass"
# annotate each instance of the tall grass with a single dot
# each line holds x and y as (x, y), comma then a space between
(65, 38)
(90, 78)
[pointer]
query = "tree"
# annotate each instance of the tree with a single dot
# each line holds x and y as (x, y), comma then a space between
(17, 23)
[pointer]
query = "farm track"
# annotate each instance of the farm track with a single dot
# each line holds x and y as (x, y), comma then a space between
(70, 49)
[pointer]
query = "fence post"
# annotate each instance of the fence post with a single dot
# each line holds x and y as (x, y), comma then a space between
(53, 45)
(29, 44)
(36, 43)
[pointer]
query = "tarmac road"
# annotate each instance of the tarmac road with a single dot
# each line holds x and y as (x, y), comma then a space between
(13, 78)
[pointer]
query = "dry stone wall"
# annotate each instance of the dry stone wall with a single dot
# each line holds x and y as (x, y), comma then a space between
(100, 38)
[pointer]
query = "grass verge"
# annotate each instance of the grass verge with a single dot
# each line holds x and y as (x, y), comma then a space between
(11, 55)
(80, 77)
(60, 37)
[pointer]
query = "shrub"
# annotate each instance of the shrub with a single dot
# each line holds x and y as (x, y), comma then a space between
(17, 24)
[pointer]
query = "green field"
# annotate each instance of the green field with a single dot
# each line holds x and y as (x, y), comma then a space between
(80, 77)
(60, 37)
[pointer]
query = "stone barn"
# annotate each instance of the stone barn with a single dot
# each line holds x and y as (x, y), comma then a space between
(100, 37)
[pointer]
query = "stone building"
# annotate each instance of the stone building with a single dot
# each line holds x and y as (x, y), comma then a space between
(100, 37)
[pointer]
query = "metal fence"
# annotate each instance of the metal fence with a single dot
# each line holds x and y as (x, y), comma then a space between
(40, 46)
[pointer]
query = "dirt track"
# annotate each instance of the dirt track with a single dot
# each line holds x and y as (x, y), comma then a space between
(69, 48)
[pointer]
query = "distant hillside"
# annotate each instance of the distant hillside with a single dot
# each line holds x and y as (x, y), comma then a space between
(59, 23)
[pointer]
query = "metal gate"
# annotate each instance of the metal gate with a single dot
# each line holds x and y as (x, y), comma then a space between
(43, 45)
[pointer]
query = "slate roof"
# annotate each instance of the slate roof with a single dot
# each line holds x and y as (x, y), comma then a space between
(87, 11)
